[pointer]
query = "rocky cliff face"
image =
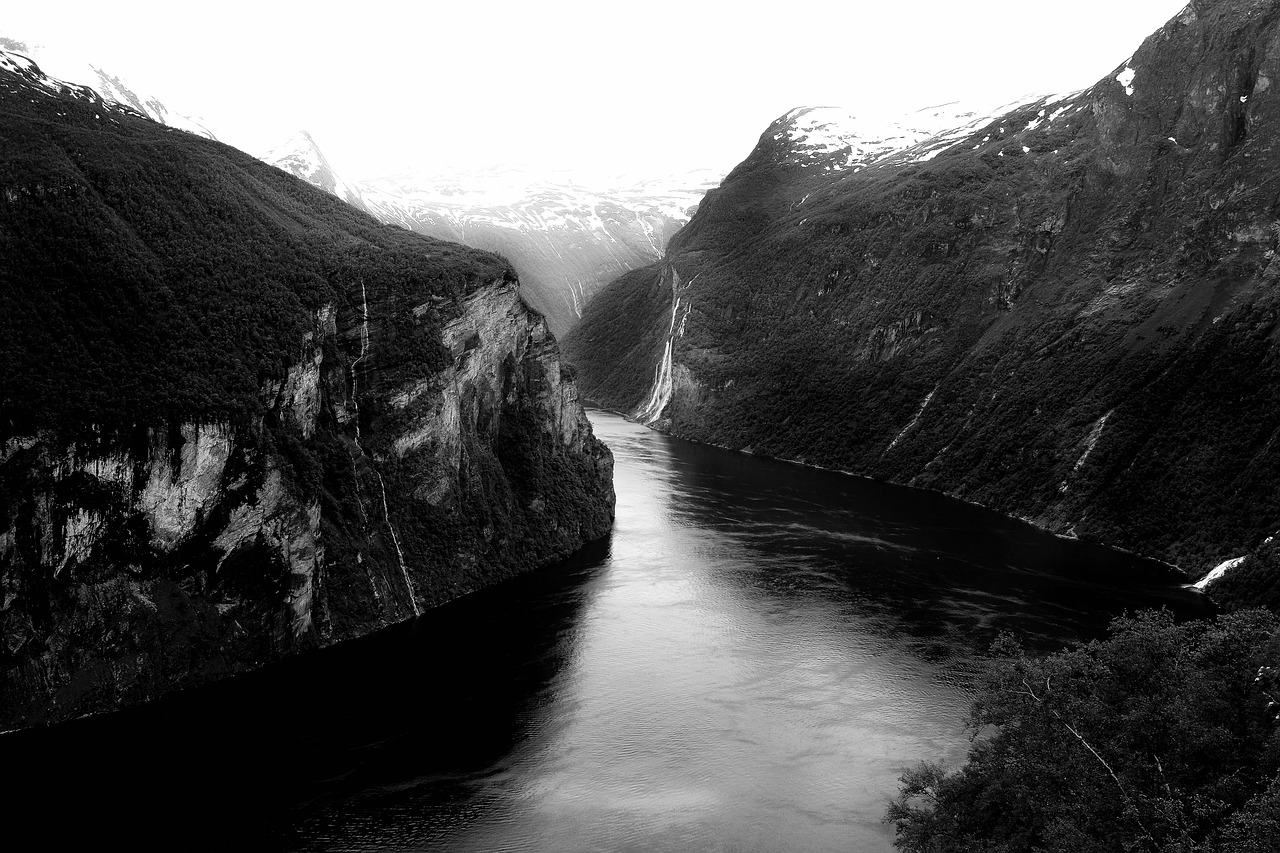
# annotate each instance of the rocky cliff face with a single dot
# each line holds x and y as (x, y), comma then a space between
(134, 562)
(1068, 312)
(242, 419)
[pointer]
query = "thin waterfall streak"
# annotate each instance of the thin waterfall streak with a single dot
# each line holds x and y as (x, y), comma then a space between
(906, 429)
(395, 540)
(382, 485)
(364, 348)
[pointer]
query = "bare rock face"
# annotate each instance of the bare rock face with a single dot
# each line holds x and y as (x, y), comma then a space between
(1067, 311)
(133, 563)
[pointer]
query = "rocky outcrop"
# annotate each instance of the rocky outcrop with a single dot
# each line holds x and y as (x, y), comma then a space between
(135, 562)
(241, 419)
(1067, 312)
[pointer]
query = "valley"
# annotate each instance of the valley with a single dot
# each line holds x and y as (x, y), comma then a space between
(536, 489)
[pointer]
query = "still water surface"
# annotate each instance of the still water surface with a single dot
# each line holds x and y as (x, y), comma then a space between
(746, 664)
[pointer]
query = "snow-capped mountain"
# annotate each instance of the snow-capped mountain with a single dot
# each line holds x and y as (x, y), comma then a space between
(833, 139)
(566, 240)
(302, 158)
(61, 66)
(27, 68)
(1050, 311)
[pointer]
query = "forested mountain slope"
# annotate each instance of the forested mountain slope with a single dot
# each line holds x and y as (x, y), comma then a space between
(239, 418)
(1068, 313)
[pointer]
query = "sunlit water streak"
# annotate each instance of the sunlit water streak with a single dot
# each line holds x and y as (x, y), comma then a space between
(762, 651)
(747, 663)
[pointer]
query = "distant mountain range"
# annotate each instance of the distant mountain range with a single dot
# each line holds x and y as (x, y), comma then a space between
(566, 240)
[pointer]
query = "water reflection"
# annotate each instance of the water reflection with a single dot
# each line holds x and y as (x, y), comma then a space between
(767, 647)
(745, 664)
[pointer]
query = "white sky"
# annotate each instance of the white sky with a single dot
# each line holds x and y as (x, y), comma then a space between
(643, 88)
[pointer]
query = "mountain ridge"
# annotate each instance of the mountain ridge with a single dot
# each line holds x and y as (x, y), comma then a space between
(1044, 316)
(566, 238)
(242, 419)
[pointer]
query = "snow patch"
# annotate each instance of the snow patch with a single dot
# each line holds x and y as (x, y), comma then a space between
(1125, 78)
(836, 140)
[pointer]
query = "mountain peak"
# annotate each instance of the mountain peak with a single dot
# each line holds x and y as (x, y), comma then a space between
(21, 58)
(27, 70)
(302, 157)
(834, 139)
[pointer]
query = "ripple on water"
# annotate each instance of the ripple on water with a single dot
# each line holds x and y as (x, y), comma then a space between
(748, 664)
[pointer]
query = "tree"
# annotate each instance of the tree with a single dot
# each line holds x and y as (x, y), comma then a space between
(1160, 738)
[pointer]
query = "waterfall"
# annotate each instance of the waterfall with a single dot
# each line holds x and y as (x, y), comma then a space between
(660, 393)
(382, 485)
(1089, 443)
(906, 429)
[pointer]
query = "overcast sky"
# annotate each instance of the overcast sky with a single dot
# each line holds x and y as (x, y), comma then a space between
(644, 88)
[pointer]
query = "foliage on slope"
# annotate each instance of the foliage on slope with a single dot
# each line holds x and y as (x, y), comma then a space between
(147, 273)
(1161, 737)
(620, 338)
(1253, 583)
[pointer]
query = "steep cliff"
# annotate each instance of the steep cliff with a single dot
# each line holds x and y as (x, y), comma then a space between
(242, 419)
(1068, 313)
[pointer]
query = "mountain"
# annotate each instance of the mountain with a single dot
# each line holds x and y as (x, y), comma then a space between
(1067, 313)
(108, 86)
(830, 139)
(567, 240)
(302, 158)
(240, 418)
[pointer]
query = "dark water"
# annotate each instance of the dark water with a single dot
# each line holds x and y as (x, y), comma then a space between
(747, 663)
